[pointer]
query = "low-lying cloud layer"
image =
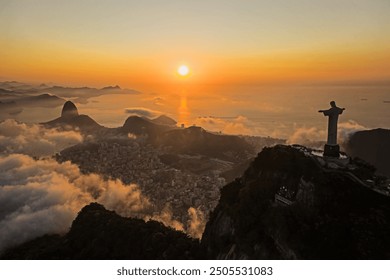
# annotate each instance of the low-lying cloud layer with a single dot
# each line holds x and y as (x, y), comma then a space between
(312, 136)
(346, 129)
(236, 126)
(196, 222)
(40, 196)
(143, 112)
(166, 217)
(33, 139)
(43, 196)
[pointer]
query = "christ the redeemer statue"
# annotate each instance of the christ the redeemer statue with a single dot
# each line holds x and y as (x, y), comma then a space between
(332, 149)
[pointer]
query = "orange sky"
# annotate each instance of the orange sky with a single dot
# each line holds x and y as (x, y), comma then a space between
(224, 43)
(77, 67)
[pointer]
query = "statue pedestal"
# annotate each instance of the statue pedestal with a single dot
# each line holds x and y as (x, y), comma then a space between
(332, 151)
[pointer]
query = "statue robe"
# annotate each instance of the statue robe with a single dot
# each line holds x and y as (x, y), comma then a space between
(333, 114)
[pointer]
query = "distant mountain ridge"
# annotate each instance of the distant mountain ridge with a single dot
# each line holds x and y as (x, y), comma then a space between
(11, 104)
(80, 94)
(18, 87)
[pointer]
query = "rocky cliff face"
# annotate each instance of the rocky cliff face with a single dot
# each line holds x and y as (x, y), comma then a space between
(294, 204)
(69, 110)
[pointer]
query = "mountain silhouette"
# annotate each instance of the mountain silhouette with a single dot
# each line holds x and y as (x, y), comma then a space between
(143, 127)
(12, 104)
(196, 140)
(71, 118)
(164, 120)
(42, 100)
(291, 204)
(69, 110)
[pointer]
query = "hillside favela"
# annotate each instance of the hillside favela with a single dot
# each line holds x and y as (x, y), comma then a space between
(192, 130)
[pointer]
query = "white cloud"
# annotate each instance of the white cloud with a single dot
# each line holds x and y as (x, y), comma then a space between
(43, 197)
(143, 112)
(307, 136)
(239, 125)
(166, 217)
(311, 136)
(196, 222)
(33, 139)
(345, 129)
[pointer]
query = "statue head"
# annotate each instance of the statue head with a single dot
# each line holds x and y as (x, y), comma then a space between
(332, 103)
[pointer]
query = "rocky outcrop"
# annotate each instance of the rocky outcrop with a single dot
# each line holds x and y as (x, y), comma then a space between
(164, 120)
(70, 119)
(294, 204)
(143, 127)
(69, 110)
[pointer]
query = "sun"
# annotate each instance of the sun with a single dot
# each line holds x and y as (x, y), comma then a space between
(183, 70)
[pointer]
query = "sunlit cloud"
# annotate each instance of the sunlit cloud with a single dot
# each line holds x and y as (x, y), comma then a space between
(43, 197)
(143, 112)
(165, 216)
(315, 137)
(196, 222)
(346, 129)
(239, 125)
(34, 139)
